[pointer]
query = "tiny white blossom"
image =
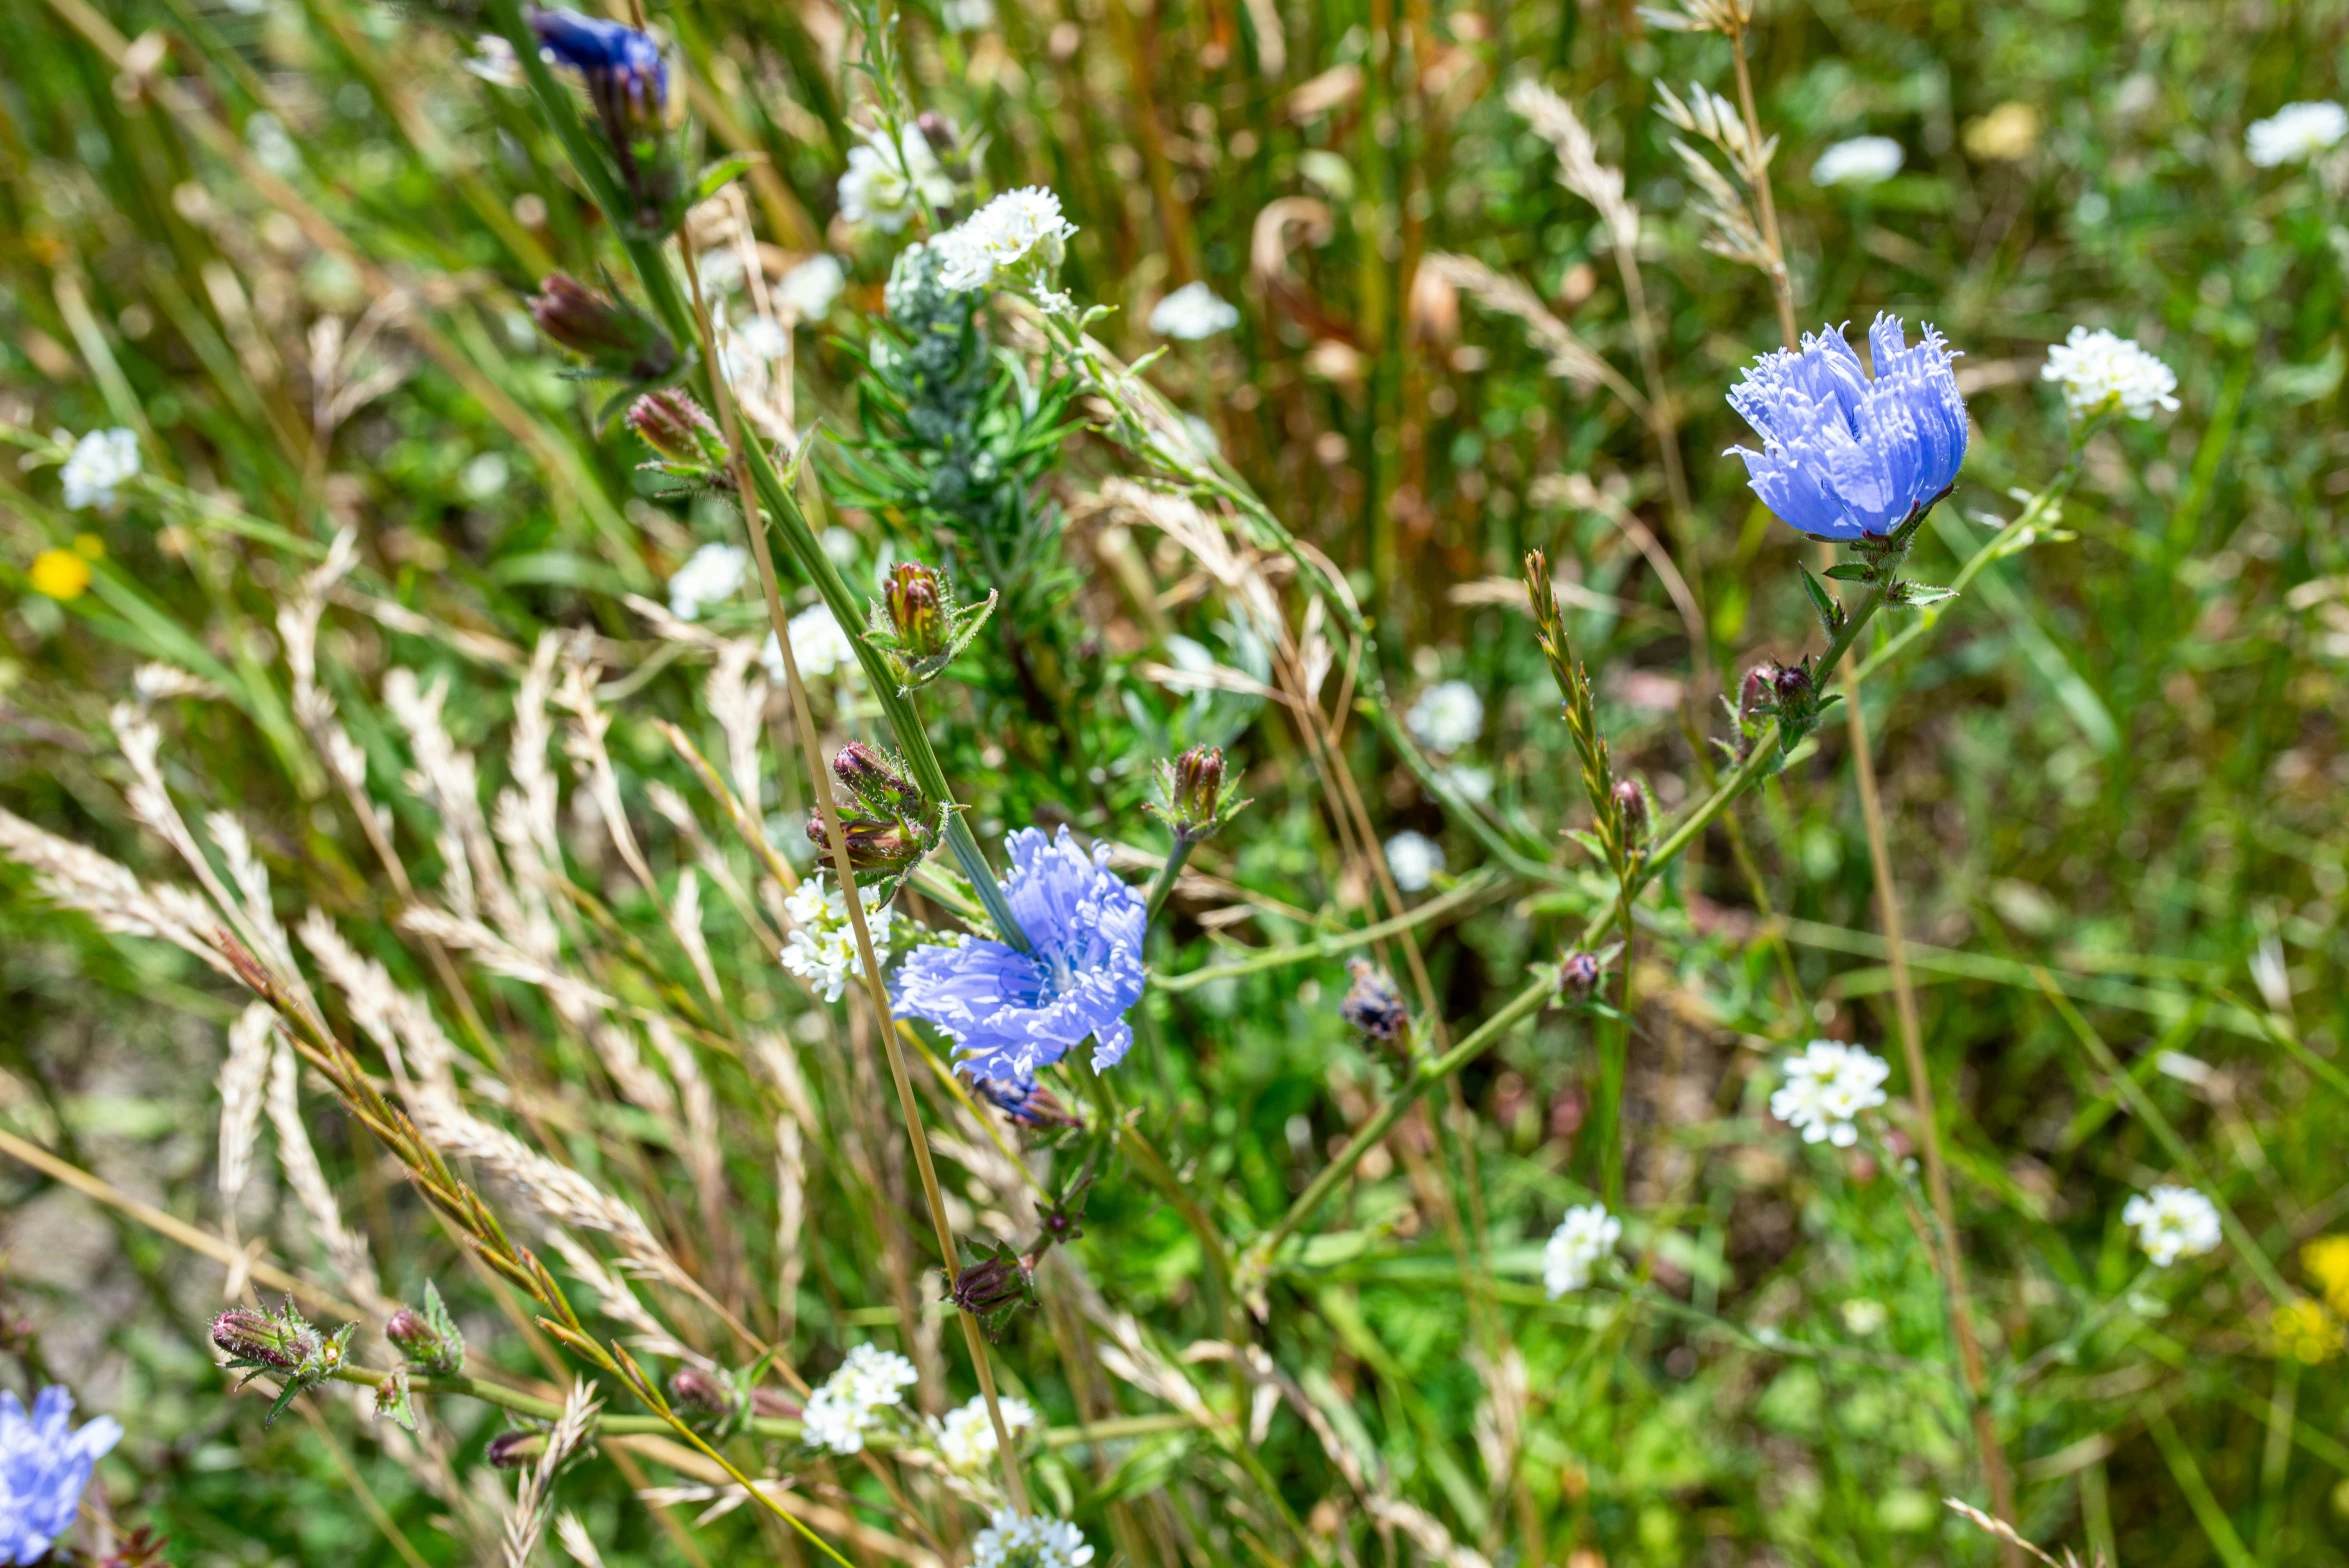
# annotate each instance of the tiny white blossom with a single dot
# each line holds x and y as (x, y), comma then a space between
(493, 60)
(1014, 1540)
(1013, 229)
(711, 573)
(807, 291)
(1447, 716)
(1473, 783)
(1827, 1085)
(1864, 160)
(100, 462)
(1193, 312)
(1583, 1240)
(1414, 858)
(2093, 367)
(817, 642)
(2172, 1223)
(851, 1400)
(765, 337)
(884, 186)
(967, 16)
(821, 948)
(966, 1438)
(2295, 133)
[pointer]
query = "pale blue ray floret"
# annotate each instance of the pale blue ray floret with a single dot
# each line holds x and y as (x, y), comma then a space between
(44, 1465)
(1010, 1013)
(1845, 456)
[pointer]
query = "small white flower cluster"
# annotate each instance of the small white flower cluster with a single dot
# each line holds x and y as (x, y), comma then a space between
(2095, 367)
(966, 1438)
(1193, 312)
(967, 16)
(885, 186)
(1414, 859)
(2295, 133)
(817, 642)
(1017, 231)
(822, 946)
(1029, 1541)
(711, 573)
(840, 1413)
(1864, 160)
(1447, 716)
(1827, 1086)
(1582, 1241)
(2173, 1223)
(101, 462)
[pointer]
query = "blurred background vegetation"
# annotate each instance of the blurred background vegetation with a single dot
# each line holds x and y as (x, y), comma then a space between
(2114, 771)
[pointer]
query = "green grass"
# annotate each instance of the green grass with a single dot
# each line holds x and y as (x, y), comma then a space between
(2111, 772)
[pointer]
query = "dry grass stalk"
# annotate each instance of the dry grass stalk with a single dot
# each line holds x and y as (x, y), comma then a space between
(108, 892)
(353, 1263)
(534, 1498)
(242, 1073)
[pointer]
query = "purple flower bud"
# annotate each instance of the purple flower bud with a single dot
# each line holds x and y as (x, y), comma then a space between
(1757, 695)
(1195, 800)
(1578, 976)
(918, 611)
(427, 1340)
(265, 1339)
(613, 336)
(996, 1283)
(675, 426)
(1026, 1104)
(1632, 801)
(1794, 684)
(1372, 1004)
(514, 1450)
(876, 779)
(701, 1394)
(872, 846)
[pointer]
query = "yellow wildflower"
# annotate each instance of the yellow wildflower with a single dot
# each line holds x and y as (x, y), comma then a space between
(60, 574)
(89, 546)
(2306, 1332)
(2327, 1261)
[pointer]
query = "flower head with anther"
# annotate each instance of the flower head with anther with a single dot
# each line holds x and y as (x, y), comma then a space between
(1011, 1013)
(1846, 455)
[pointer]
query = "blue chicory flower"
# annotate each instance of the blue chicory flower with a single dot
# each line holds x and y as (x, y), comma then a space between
(43, 1467)
(619, 62)
(1011, 1013)
(1844, 456)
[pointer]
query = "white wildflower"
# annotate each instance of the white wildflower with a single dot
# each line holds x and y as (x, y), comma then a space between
(1864, 160)
(1827, 1085)
(1014, 229)
(2295, 133)
(886, 186)
(817, 642)
(102, 462)
(712, 573)
(2095, 367)
(493, 60)
(765, 337)
(967, 16)
(1414, 858)
(2172, 1223)
(822, 946)
(1582, 1241)
(1447, 716)
(807, 291)
(1193, 312)
(1029, 1541)
(1471, 782)
(966, 1438)
(840, 1413)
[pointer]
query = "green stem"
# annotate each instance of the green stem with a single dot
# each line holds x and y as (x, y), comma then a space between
(1163, 884)
(1472, 888)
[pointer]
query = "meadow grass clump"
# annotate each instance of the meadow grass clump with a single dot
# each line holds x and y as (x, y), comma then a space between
(1062, 782)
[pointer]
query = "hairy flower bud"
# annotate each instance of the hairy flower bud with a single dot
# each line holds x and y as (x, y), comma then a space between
(1372, 1004)
(614, 337)
(872, 846)
(1194, 796)
(427, 1340)
(675, 426)
(1757, 694)
(709, 1399)
(877, 780)
(917, 610)
(263, 1337)
(997, 1283)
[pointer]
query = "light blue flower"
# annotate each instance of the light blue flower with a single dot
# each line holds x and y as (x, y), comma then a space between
(1844, 456)
(44, 1465)
(1011, 1013)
